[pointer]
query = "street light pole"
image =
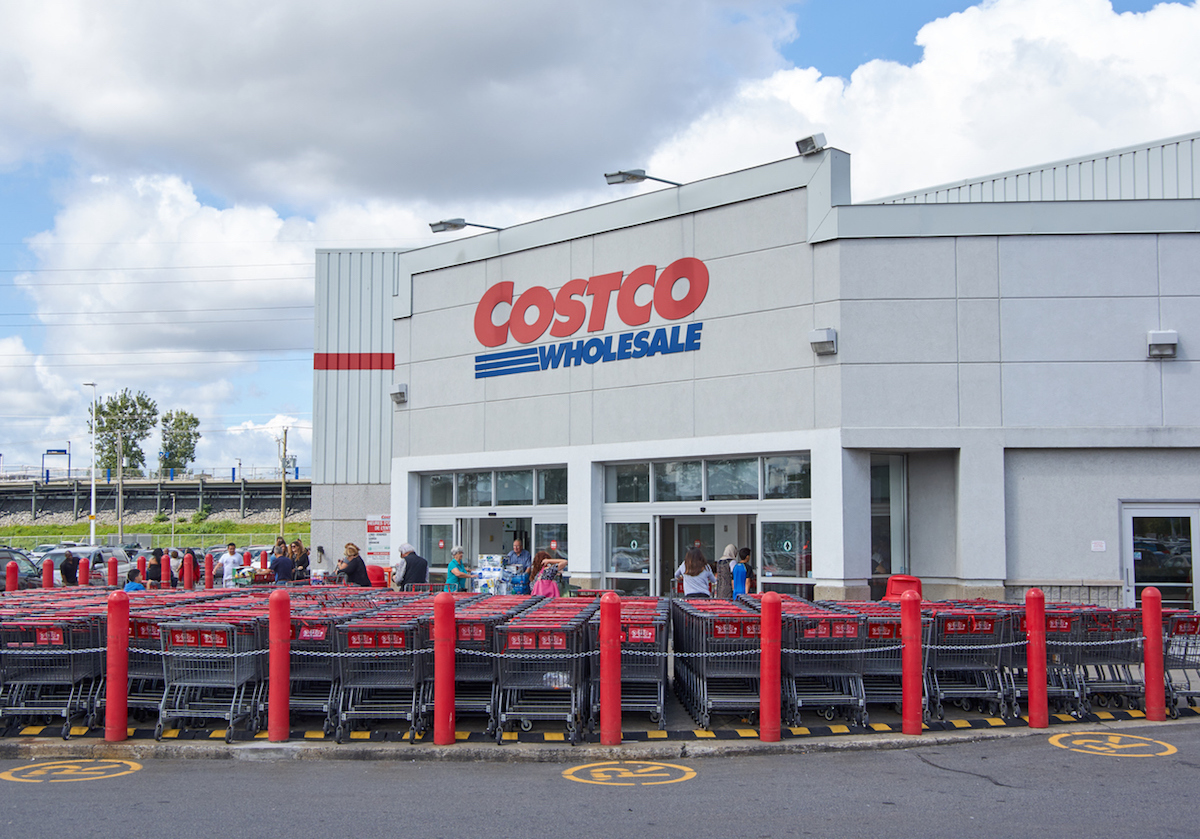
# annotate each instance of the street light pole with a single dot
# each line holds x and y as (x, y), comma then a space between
(92, 515)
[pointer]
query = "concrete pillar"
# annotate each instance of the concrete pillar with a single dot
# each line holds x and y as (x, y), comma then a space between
(981, 548)
(841, 513)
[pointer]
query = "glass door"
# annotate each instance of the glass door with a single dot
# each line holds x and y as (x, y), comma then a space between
(695, 532)
(628, 557)
(1157, 551)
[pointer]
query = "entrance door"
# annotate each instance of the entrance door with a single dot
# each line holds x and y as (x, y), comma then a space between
(695, 532)
(1157, 551)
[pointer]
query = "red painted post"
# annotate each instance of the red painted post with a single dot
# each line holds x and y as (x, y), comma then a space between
(1035, 657)
(47, 574)
(85, 572)
(142, 570)
(116, 682)
(610, 669)
(12, 576)
(769, 692)
(188, 572)
(279, 704)
(208, 571)
(1152, 629)
(912, 664)
(444, 636)
(112, 571)
(247, 559)
(262, 560)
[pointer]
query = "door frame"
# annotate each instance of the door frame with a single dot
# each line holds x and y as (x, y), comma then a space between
(1151, 509)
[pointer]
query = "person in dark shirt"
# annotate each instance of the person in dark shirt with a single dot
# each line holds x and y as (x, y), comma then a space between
(69, 568)
(282, 564)
(300, 563)
(416, 567)
(353, 567)
(154, 568)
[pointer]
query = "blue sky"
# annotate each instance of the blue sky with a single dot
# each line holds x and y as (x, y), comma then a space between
(183, 170)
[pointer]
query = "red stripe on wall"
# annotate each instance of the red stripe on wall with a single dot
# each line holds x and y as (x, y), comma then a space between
(354, 361)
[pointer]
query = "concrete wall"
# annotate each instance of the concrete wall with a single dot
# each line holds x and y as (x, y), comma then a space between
(345, 507)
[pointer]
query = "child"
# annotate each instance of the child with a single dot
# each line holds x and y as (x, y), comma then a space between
(135, 580)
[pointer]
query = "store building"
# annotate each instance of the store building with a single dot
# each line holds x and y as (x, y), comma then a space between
(987, 384)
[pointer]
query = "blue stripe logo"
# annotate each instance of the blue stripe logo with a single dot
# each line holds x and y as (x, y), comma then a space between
(643, 344)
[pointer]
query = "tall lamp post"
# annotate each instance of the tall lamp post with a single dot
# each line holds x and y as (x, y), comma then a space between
(92, 516)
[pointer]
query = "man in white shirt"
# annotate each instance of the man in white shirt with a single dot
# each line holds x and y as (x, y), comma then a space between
(229, 560)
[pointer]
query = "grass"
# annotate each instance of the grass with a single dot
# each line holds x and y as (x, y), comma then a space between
(30, 535)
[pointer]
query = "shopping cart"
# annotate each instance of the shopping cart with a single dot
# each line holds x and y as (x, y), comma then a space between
(476, 688)
(1182, 660)
(716, 658)
(542, 671)
(966, 658)
(214, 669)
(50, 666)
(644, 639)
(381, 662)
(1109, 656)
(1064, 632)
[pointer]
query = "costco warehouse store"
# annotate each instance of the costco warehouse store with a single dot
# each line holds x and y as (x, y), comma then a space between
(988, 384)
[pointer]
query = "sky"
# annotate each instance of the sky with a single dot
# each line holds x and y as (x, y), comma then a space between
(168, 169)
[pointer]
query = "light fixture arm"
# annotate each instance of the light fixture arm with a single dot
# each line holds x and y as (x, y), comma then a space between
(457, 224)
(633, 176)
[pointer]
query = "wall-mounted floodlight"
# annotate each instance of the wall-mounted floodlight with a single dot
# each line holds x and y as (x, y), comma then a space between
(635, 176)
(1162, 344)
(810, 145)
(456, 224)
(400, 394)
(823, 341)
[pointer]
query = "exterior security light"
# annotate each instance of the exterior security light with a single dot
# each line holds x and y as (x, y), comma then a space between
(823, 341)
(456, 224)
(635, 176)
(1162, 344)
(810, 145)
(400, 394)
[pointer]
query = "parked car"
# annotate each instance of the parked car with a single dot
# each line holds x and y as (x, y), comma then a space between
(27, 571)
(97, 557)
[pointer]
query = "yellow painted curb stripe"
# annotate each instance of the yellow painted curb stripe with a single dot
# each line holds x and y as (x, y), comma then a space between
(171, 733)
(510, 735)
(746, 732)
(262, 735)
(704, 734)
(656, 735)
(220, 732)
(880, 726)
(79, 730)
(839, 729)
(1136, 713)
(1063, 717)
(995, 721)
(555, 735)
(960, 723)
(314, 735)
(33, 729)
(360, 735)
(1104, 715)
(799, 731)
(461, 735)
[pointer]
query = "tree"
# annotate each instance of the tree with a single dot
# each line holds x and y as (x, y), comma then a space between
(127, 416)
(179, 438)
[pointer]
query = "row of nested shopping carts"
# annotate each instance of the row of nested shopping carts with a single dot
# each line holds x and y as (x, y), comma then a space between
(365, 655)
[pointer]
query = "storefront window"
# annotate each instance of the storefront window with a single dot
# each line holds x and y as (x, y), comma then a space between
(551, 538)
(788, 476)
(677, 480)
(786, 549)
(552, 486)
(437, 490)
(474, 489)
(888, 542)
(628, 548)
(732, 479)
(626, 483)
(514, 487)
(436, 542)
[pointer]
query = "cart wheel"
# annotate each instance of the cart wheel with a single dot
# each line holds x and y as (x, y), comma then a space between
(526, 725)
(993, 709)
(654, 716)
(229, 734)
(1191, 701)
(941, 713)
(898, 707)
(66, 729)
(573, 735)
(327, 727)
(500, 735)
(829, 713)
(864, 719)
(254, 726)
(1122, 702)
(158, 731)
(339, 734)
(1173, 711)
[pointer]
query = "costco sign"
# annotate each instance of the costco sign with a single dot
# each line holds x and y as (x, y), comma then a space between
(587, 303)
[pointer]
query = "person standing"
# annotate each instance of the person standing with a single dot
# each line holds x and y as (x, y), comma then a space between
(299, 557)
(282, 564)
(458, 578)
(229, 561)
(724, 588)
(353, 567)
(416, 568)
(545, 574)
(69, 568)
(696, 575)
(518, 556)
(740, 569)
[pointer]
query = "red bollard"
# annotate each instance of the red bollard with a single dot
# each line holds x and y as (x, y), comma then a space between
(1152, 667)
(911, 662)
(262, 560)
(12, 576)
(444, 637)
(1035, 657)
(769, 690)
(610, 669)
(116, 683)
(189, 571)
(85, 572)
(47, 574)
(208, 571)
(247, 559)
(112, 571)
(142, 570)
(279, 702)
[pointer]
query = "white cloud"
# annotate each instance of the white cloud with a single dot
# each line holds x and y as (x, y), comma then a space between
(1005, 84)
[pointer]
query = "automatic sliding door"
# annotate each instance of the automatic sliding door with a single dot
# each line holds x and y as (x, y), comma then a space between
(628, 557)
